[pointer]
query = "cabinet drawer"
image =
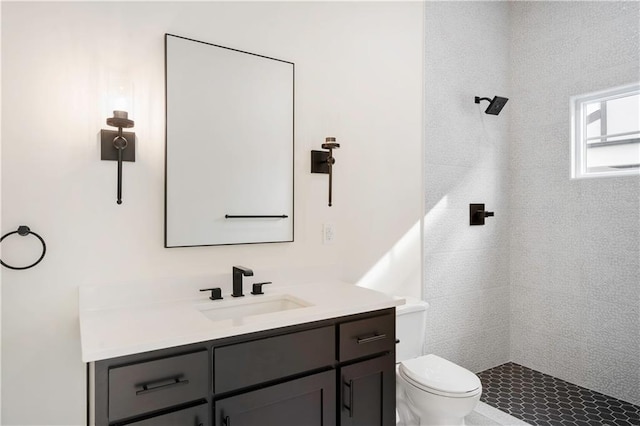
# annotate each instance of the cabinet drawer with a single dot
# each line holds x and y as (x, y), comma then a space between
(258, 361)
(147, 386)
(194, 416)
(367, 337)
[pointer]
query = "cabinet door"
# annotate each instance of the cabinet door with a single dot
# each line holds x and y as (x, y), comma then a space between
(194, 416)
(368, 393)
(309, 401)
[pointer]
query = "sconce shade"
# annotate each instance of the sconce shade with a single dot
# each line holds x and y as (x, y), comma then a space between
(120, 119)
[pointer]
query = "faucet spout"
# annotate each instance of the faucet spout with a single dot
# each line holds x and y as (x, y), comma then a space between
(238, 273)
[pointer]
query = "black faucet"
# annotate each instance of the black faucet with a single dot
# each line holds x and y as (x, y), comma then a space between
(238, 273)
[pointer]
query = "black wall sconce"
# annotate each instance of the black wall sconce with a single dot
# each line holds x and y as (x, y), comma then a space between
(477, 213)
(118, 145)
(495, 105)
(323, 161)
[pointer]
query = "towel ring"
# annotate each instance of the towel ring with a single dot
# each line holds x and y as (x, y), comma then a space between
(23, 231)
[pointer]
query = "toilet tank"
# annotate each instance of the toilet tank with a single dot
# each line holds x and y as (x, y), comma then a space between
(410, 328)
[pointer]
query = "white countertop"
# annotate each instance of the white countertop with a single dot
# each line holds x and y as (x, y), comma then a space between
(117, 321)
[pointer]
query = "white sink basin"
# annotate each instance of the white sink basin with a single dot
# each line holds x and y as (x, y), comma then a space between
(233, 309)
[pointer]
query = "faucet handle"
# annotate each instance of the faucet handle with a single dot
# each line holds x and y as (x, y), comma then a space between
(216, 293)
(257, 287)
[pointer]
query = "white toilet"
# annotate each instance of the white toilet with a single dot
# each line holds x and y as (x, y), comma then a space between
(429, 390)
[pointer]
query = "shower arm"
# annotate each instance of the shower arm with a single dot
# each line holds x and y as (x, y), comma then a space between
(478, 99)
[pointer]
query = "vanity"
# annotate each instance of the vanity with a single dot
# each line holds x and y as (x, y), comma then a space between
(316, 354)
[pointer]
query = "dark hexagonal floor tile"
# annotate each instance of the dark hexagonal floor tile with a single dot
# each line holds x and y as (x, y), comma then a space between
(541, 399)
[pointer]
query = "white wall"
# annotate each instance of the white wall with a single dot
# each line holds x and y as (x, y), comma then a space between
(575, 244)
(358, 77)
(466, 279)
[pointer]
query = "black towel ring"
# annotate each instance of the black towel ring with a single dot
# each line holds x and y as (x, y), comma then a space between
(23, 231)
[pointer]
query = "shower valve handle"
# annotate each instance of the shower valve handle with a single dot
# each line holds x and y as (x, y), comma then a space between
(477, 213)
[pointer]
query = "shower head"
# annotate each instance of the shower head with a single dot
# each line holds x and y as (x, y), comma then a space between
(495, 105)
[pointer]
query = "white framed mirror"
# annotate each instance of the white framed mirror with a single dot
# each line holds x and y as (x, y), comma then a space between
(229, 145)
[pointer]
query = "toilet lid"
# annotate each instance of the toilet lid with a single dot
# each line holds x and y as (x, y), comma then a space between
(441, 375)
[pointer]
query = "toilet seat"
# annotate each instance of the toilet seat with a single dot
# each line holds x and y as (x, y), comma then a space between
(439, 376)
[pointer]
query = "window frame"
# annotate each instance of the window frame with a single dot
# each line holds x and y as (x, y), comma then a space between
(579, 139)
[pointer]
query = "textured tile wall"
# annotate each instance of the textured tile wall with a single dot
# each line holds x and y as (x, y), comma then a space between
(575, 245)
(466, 269)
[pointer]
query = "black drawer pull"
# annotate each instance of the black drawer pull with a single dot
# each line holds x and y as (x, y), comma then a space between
(227, 421)
(174, 382)
(362, 340)
(350, 406)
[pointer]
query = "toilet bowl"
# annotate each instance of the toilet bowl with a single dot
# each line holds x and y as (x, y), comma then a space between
(434, 391)
(429, 389)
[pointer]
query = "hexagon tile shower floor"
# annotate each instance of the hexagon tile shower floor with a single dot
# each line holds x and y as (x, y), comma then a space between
(540, 399)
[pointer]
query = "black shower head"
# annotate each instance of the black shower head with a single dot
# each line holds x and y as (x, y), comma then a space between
(495, 105)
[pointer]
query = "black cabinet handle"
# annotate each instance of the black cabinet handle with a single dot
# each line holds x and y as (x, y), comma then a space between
(174, 382)
(362, 340)
(227, 421)
(350, 406)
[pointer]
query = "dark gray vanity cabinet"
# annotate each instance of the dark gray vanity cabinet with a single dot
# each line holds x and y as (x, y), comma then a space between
(339, 371)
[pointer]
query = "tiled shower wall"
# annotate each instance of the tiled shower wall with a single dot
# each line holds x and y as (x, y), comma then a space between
(553, 280)
(575, 255)
(466, 271)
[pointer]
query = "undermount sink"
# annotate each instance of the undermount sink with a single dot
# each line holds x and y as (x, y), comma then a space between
(233, 309)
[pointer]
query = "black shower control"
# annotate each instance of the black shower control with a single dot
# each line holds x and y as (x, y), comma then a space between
(216, 293)
(477, 213)
(257, 287)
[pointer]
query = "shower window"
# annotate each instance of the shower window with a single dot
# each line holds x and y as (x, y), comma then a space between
(606, 132)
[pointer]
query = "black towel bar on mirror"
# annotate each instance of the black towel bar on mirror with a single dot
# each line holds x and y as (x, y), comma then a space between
(23, 231)
(260, 216)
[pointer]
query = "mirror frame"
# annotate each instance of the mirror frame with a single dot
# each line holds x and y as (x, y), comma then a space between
(167, 143)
